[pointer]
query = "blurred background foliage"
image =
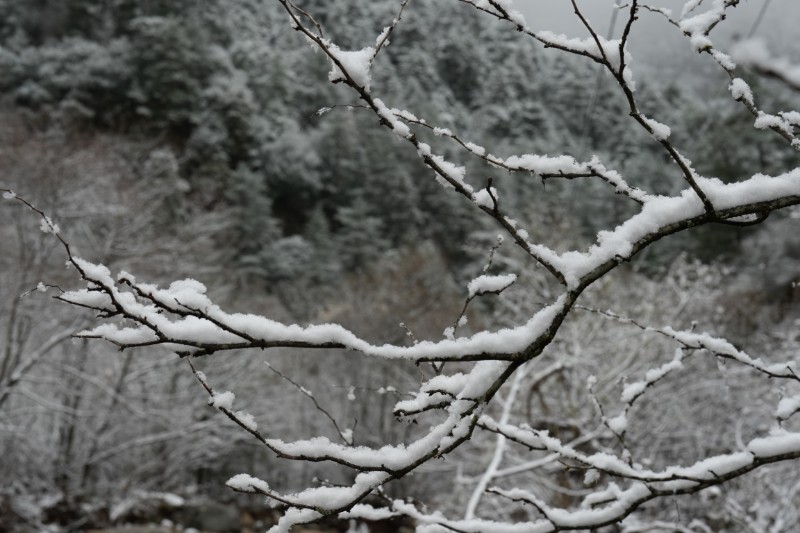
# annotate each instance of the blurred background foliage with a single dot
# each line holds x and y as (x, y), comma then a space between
(182, 139)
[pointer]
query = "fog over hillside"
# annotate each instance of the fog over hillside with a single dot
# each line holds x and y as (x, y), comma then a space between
(664, 48)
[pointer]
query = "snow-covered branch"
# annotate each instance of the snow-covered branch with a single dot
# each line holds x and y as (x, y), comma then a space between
(353, 68)
(487, 368)
(749, 53)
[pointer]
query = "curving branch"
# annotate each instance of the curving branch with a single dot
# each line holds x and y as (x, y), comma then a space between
(454, 406)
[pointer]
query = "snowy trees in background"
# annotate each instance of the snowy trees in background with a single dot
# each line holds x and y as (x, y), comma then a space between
(61, 400)
(586, 400)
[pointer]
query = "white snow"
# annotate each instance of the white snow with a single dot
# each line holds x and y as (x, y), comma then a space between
(660, 212)
(247, 420)
(459, 398)
(449, 333)
(702, 22)
(483, 198)
(490, 284)
(420, 402)
(367, 512)
(632, 390)
(610, 48)
(792, 117)
(172, 500)
(85, 297)
(507, 6)
(247, 483)
(591, 477)
(453, 172)
(740, 90)
(476, 149)
(47, 225)
(383, 34)
(725, 348)
(698, 27)
(773, 445)
(724, 60)
(618, 424)
(765, 120)
(543, 164)
(356, 64)
(660, 132)
(99, 274)
(690, 6)
(787, 407)
(200, 330)
(398, 127)
(450, 384)
(222, 400)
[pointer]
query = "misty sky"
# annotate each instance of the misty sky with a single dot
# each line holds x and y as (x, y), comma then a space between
(558, 15)
(659, 42)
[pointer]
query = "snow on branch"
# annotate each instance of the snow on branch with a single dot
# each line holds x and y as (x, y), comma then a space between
(490, 284)
(356, 64)
(493, 364)
(383, 38)
(700, 341)
(645, 484)
(614, 503)
(183, 318)
(614, 56)
(752, 53)
(447, 173)
(541, 166)
(787, 408)
(663, 216)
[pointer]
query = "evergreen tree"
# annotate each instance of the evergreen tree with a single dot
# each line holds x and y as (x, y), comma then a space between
(359, 236)
(256, 230)
(326, 263)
